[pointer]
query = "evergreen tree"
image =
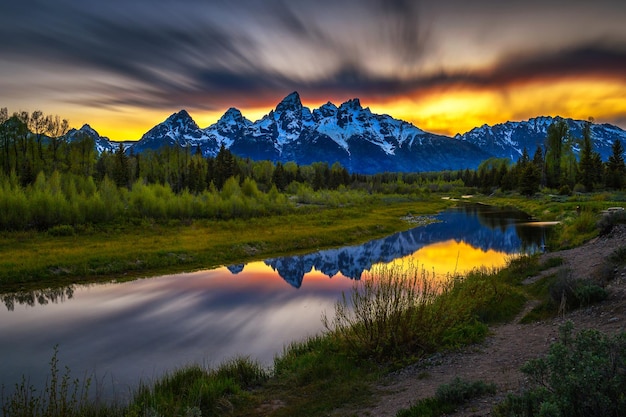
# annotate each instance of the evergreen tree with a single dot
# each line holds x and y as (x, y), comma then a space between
(615, 167)
(540, 164)
(556, 141)
(5, 141)
(586, 172)
(121, 174)
(278, 177)
(529, 180)
(225, 167)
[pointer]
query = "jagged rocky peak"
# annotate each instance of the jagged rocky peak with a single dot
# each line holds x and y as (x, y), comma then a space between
(326, 110)
(232, 122)
(86, 129)
(291, 102)
(353, 104)
(233, 116)
(182, 118)
(89, 129)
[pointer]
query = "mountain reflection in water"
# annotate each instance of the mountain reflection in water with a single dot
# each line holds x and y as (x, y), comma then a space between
(458, 240)
(124, 332)
(486, 234)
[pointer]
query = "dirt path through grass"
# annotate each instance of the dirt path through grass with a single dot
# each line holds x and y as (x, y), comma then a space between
(499, 358)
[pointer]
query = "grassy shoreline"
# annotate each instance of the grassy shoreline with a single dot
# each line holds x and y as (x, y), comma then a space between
(35, 260)
(327, 373)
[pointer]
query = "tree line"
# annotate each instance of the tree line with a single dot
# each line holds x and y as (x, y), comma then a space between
(554, 166)
(46, 180)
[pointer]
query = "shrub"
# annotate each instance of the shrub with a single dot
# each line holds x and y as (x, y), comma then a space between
(565, 190)
(448, 397)
(609, 220)
(61, 230)
(618, 256)
(579, 188)
(390, 313)
(570, 292)
(582, 376)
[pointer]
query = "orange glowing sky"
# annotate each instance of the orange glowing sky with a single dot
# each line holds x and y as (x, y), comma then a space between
(445, 66)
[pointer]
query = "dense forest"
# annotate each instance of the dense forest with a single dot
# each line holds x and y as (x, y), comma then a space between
(47, 181)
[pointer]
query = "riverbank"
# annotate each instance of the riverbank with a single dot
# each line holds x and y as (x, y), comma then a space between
(324, 376)
(35, 260)
(499, 358)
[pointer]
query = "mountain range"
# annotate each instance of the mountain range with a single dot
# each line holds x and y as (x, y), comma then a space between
(360, 140)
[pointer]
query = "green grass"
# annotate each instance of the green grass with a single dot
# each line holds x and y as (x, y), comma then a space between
(327, 374)
(34, 260)
(448, 398)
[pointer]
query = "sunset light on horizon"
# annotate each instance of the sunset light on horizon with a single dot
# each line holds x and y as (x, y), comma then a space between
(444, 66)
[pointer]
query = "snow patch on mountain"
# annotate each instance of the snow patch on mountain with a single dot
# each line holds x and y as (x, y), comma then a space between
(507, 140)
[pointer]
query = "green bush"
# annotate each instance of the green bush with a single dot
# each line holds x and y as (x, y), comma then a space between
(569, 292)
(565, 190)
(61, 230)
(608, 221)
(618, 256)
(448, 397)
(583, 376)
(391, 313)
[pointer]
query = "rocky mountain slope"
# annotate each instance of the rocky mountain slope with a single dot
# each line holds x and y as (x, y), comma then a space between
(360, 140)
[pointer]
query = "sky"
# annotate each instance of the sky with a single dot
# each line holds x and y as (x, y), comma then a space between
(446, 66)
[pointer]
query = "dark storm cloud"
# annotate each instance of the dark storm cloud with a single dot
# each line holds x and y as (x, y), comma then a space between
(163, 54)
(176, 53)
(597, 60)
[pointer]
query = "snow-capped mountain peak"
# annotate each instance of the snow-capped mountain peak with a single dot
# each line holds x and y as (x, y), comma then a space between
(102, 144)
(352, 135)
(508, 140)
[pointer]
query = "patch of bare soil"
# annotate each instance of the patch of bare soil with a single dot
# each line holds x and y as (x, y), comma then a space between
(499, 358)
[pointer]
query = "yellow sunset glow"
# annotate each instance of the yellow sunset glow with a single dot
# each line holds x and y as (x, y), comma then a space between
(447, 112)
(451, 257)
(459, 110)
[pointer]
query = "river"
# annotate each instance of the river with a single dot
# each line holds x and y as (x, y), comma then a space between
(121, 333)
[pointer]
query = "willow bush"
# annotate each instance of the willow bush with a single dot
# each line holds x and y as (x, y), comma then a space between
(398, 313)
(392, 312)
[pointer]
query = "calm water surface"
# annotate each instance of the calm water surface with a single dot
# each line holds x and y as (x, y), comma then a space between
(121, 333)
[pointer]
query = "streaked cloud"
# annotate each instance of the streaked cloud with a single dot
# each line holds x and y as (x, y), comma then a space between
(162, 55)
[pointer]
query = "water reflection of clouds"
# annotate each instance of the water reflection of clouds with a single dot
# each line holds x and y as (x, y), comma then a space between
(142, 328)
(139, 329)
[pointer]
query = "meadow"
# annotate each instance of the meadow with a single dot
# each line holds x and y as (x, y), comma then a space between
(391, 319)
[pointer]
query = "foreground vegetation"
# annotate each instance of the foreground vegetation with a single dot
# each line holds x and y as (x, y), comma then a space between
(394, 316)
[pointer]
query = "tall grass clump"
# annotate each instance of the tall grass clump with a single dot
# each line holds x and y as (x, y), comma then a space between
(61, 397)
(399, 313)
(388, 313)
(195, 391)
(448, 398)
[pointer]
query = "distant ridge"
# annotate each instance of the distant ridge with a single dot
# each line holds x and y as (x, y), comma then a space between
(362, 141)
(508, 140)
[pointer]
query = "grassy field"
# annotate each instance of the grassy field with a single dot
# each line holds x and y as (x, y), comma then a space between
(329, 374)
(33, 260)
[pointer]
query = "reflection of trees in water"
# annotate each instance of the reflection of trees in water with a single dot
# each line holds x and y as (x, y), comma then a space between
(40, 297)
(534, 238)
(495, 217)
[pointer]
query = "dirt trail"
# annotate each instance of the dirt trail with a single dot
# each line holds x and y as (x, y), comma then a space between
(499, 358)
